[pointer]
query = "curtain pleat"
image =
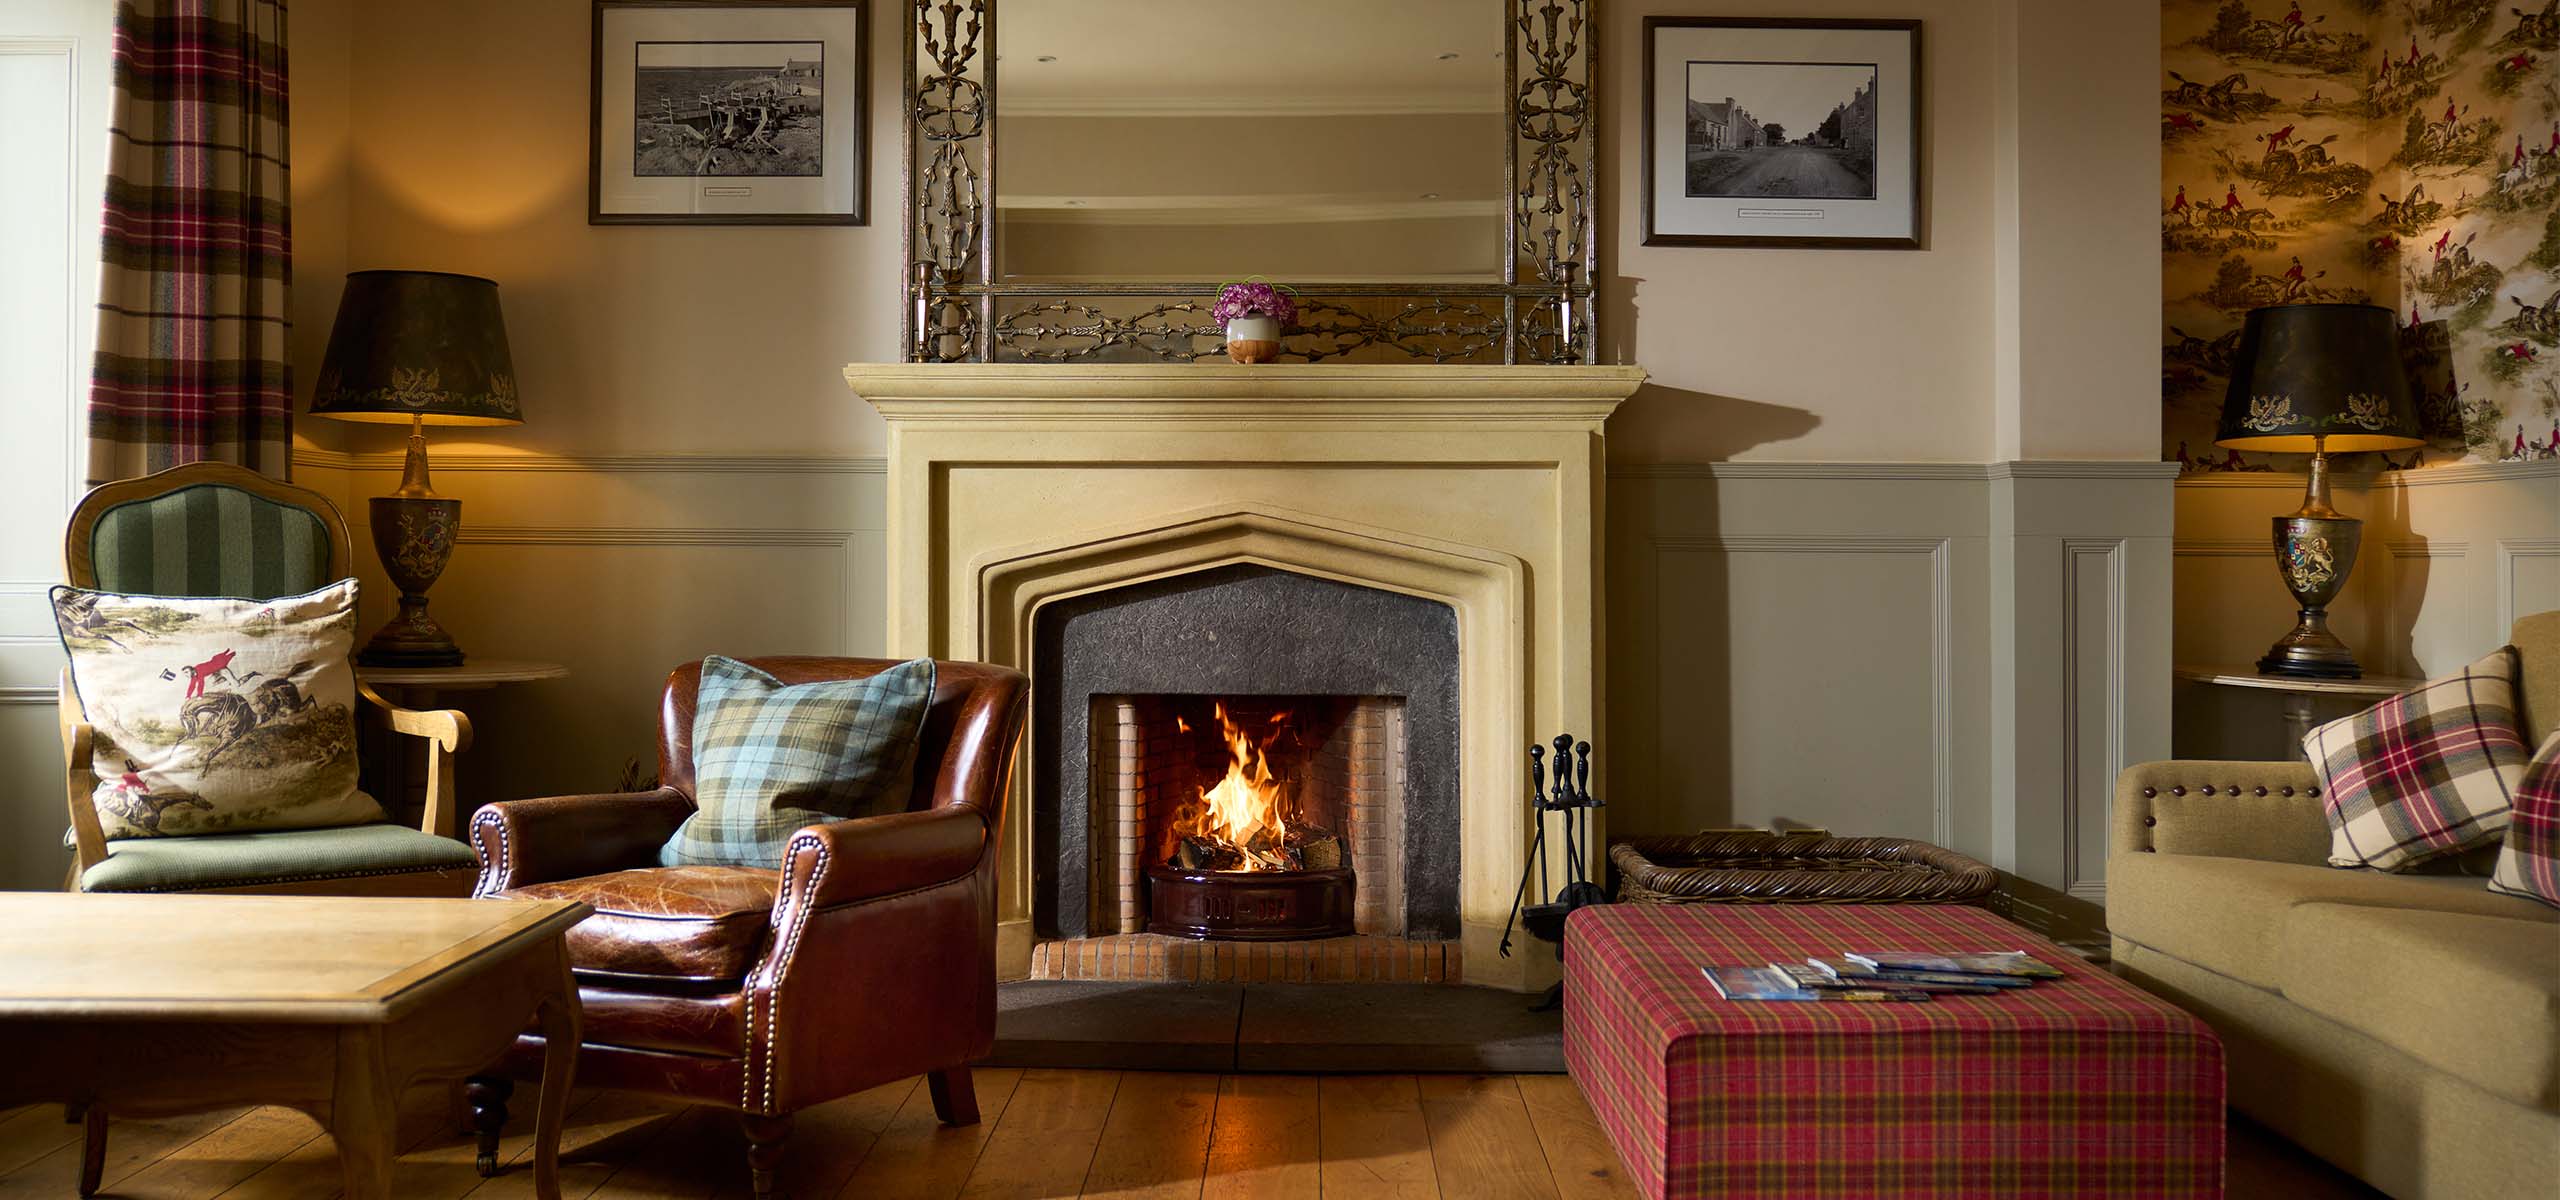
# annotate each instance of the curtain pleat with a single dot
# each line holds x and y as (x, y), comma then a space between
(192, 357)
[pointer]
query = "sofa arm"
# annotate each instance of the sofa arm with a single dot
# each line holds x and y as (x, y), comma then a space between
(523, 842)
(847, 862)
(2262, 810)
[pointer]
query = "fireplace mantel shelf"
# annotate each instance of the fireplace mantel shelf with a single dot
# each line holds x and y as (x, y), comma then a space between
(1402, 392)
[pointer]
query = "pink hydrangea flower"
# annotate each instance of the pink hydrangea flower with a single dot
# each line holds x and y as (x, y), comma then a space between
(1254, 298)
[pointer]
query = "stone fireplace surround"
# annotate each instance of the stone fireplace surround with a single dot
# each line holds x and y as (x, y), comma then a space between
(1015, 486)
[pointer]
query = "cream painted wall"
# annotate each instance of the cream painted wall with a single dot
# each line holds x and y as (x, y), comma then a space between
(694, 477)
(1812, 354)
(471, 155)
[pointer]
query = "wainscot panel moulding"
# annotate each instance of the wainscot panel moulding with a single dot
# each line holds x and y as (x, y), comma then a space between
(1478, 487)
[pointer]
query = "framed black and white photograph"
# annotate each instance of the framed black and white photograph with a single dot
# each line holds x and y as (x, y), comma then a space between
(1781, 132)
(741, 112)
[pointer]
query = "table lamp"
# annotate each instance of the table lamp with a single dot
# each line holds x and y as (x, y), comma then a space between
(2317, 379)
(421, 348)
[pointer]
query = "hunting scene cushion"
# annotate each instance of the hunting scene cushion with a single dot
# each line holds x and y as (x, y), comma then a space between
(215, 715)
(769, 758)
(2427, 773)
(2529, 862)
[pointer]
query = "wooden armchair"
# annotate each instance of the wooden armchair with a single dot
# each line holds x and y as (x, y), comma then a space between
(212, 529)
(868, 956)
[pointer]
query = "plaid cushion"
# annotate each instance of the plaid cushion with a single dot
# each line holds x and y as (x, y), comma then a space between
(2427, 773)
(2083, 1086)
(2529, 862)
(769, 758)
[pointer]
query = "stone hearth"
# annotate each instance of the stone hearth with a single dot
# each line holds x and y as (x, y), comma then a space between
(1018, 490)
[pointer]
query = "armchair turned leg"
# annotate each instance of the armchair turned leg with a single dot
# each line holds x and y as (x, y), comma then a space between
(488, 1097)
(955, 1095)
(765, 1136)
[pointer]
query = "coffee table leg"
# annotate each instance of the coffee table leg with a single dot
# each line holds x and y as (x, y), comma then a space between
(93, 1148)
(561, 1030)
(364, 1115)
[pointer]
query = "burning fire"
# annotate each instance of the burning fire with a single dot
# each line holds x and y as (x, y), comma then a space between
(1243, 810)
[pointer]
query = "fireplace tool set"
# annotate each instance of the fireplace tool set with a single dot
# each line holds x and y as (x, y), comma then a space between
(1571, 796)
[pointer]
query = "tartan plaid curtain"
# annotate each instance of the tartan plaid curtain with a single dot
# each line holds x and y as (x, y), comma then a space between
(192, 362)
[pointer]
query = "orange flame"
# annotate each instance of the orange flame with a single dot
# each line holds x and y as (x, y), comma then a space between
(1244, 807)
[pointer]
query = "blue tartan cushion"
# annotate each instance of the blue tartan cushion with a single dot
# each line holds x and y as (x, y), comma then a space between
(769, 758)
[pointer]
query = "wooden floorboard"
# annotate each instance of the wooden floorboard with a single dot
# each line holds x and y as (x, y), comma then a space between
(1043, 1135)
(1155, 1146)
(1262, 1140)
(1372, 1140)
(1044, 1143)
(1579, 1157)
(131, 1146)
(1483, 1145)
(921, 1157)
(31, 1132)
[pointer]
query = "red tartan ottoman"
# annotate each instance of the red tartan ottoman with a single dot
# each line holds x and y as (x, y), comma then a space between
(2081, 1086)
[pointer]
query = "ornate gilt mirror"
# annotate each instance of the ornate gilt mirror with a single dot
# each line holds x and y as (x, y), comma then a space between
(1082, 175)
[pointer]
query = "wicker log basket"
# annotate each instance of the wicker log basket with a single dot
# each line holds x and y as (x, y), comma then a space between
(1795, 868)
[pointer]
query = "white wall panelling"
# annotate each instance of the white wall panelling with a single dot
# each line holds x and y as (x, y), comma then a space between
(2451, 557)
(1807, 640)
(53, 65)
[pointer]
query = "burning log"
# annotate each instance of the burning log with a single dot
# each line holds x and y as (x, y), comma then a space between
(1206, 854)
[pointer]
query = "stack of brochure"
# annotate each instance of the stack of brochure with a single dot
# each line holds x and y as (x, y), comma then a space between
(1883, 975)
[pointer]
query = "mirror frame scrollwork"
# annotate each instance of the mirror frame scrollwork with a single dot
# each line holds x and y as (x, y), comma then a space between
(960, 309)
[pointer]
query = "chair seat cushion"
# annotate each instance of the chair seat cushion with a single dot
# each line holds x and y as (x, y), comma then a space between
(230, 860)
(667, 924)
(2227, 915)
(2478, 997)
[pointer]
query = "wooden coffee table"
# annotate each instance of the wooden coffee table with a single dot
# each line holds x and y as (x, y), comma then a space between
(149, 1005)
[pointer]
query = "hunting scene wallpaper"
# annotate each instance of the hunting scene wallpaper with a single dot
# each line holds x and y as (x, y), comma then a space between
(2404, 153)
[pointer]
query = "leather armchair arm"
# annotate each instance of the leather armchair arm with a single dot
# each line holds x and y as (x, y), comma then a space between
(567, 837)
(847, 862)
(2263, 810)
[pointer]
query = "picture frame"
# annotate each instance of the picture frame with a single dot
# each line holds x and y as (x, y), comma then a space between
(1786, 132)
(729, 112)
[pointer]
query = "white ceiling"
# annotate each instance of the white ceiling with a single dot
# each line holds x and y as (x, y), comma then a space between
(1230, 57)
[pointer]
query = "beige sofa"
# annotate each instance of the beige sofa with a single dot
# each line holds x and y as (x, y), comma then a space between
(2403, 1027)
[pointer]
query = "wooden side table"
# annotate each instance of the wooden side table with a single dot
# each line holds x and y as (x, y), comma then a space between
(2299, 694)
(141, 1005)
(425, 687)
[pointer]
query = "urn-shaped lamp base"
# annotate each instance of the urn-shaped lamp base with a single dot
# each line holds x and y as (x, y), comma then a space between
(414, 536)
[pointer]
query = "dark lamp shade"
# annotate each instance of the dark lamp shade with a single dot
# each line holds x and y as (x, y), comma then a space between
(2318, 371)
(418, 344)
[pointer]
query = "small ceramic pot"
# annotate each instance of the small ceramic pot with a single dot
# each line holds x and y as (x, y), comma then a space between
(1253, 339)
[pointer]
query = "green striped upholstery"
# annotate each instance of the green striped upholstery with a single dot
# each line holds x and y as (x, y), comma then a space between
(210, 540)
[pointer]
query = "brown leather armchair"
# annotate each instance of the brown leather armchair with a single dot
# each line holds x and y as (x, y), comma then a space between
(868, 957)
